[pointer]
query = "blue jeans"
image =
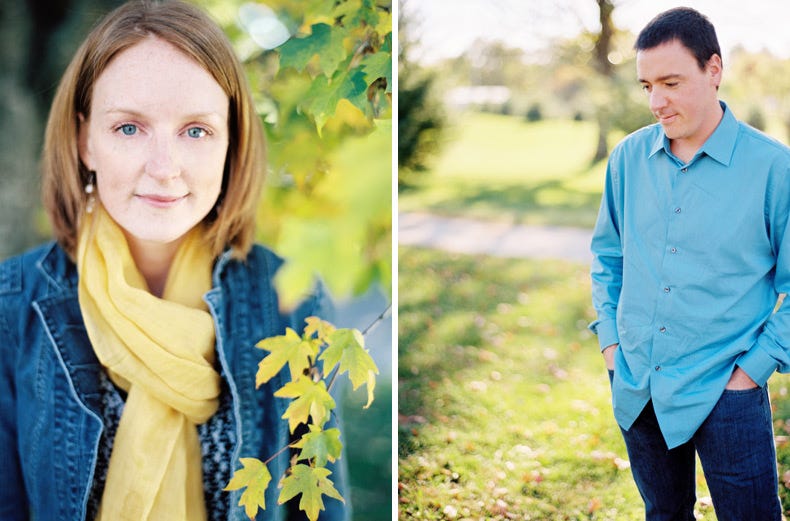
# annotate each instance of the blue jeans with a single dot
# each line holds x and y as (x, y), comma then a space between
(735, 445)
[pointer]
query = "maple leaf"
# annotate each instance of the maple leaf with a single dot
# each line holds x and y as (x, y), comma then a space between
(311, 483)
(310, 399)
(317, 326)
(288, 349)
(255, 477)
(376, 66)
(347, 347)
(320, 445)
(324, 94)
(324, 40)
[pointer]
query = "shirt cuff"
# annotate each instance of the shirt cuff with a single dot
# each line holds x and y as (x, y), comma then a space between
(606, 329)
(758, 364)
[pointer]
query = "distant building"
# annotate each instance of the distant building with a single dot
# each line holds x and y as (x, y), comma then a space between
(477, 96)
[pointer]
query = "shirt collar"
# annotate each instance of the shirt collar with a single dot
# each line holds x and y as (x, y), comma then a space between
(719, 146)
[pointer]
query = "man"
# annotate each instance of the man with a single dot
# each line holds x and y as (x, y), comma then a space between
(691, 250)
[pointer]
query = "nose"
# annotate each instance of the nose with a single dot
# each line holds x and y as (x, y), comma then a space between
(658, 101)
(162, 163)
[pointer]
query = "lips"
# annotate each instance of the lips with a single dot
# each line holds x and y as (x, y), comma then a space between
(666, 119)
(160, 200)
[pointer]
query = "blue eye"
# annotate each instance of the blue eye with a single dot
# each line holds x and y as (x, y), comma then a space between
(128, 129)
(196, 132)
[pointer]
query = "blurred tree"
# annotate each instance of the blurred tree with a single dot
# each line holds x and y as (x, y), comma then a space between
(420, 113)
(37, 39)
(759, 82)
(605, 68)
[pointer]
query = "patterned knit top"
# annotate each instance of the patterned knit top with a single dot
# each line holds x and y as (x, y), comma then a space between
(217, 439)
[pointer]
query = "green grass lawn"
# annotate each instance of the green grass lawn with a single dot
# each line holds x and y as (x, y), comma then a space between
(502, 167)
(504, 408)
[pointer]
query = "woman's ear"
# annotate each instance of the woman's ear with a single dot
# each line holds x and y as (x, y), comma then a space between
(83, 142)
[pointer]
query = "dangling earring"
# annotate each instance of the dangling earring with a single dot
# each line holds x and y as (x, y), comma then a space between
(89, 189)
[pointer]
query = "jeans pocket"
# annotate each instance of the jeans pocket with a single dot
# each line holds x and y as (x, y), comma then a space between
(745, 404)
(742, 392)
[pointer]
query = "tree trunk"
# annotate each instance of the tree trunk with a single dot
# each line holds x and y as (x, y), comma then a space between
(602, 148)
(603, 47)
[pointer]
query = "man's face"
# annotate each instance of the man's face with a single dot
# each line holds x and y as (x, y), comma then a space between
(683, 97)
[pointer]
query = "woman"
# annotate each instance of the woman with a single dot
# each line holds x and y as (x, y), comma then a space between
(127, 384)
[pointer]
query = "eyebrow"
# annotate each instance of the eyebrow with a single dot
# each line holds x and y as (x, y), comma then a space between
(135, 113)
(665, 77)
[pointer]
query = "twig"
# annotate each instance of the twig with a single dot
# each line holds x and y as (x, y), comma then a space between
(379, 319)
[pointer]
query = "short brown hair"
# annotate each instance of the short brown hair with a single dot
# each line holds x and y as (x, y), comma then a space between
(232, 221)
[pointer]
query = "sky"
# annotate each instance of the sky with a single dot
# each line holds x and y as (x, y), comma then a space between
(446, 28)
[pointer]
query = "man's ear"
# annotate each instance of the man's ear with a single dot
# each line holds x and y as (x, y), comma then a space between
(83, 146)
(714, 67)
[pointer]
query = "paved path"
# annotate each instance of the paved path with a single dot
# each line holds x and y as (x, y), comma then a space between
(500, 239)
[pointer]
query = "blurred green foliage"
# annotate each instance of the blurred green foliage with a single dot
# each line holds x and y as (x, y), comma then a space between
(325, 99)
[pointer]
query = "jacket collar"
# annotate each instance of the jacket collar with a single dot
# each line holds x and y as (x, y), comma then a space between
(58, 268)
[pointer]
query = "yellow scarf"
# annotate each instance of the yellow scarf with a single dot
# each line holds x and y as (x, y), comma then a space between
(161, 351)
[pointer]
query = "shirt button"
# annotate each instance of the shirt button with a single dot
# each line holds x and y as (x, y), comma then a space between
(677, 210)
(666, 290)
(662, 329)
(673, 250)
(684, 170)
(658, 368)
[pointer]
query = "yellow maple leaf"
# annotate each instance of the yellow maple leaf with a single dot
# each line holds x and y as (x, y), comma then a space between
(310, 399)
(311, 483)
(255, 477)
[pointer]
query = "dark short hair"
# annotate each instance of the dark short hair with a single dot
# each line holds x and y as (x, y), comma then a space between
(690, 27)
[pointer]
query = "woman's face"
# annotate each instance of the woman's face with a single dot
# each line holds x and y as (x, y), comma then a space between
(157, 137)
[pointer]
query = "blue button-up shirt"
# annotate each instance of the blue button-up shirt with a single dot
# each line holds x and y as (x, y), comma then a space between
(688, 262)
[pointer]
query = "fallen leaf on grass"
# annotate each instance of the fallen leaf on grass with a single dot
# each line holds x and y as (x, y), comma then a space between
(478, 387)
(450, 512)
(500, 508)
(499, 492)
(550, 354)
(410, 419)
(622, 464)
(533, 477)
(558, 372)
(594, 505)
(486, 356)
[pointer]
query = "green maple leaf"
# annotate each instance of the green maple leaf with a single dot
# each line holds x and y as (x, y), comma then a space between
(321, 445)
(378, 65)
(310, 399)
(255, 477)
(288, 349)
(324, 40)
(347, 347)
(324, 95)
(311, 483)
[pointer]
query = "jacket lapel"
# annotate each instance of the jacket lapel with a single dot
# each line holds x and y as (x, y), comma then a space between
(61, 318)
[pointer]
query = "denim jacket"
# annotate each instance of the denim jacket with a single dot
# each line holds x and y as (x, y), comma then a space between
(50, 424)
